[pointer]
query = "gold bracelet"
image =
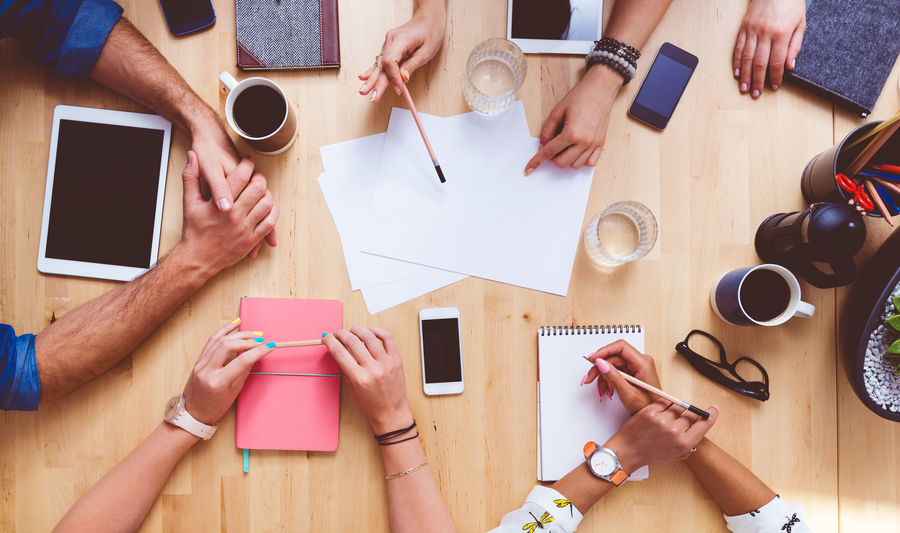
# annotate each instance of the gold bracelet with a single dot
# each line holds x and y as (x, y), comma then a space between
(410, 471)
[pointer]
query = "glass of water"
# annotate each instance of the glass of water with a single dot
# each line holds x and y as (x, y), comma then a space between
(494, 74)
(623, 232)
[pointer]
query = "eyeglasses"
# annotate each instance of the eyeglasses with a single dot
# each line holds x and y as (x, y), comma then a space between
(758, 390)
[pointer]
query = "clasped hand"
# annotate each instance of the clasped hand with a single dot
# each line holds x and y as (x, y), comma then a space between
(214, 239)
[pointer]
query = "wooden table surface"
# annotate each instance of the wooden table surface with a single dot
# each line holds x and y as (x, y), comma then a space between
(724, 164)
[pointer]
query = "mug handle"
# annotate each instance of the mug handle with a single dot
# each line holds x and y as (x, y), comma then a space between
(228, 80)
(805, 310)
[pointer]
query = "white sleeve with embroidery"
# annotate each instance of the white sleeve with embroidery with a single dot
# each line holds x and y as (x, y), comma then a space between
(543, 507)
(777, 516)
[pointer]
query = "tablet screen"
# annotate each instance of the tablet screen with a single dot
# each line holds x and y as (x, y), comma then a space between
(105, 186)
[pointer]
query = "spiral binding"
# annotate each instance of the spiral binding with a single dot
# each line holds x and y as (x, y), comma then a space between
(546, 331)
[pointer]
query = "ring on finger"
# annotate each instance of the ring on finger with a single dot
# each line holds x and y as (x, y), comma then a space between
(682, 413)
(693, 450)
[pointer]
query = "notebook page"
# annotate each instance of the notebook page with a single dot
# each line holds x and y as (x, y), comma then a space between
(569, 414)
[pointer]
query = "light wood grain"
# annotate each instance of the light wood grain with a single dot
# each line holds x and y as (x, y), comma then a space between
(722, 166)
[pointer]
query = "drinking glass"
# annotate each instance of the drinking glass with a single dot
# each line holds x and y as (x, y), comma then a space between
(623, 232)
(495, 72)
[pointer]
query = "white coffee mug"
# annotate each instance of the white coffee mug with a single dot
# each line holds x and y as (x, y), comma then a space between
(274, 143)
(726, 300)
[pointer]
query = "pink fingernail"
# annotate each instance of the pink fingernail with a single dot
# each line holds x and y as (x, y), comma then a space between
(602, 365)
(609, 393)
(774, 87)
(743, 87)
(793, 63)
(716, 408)
(374, 94)
(599, 398)
(583, 380)
(224, 204)
(361, 88)
(756, 93)
(737, 72)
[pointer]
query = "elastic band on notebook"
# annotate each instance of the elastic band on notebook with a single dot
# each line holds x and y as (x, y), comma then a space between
(290, 374)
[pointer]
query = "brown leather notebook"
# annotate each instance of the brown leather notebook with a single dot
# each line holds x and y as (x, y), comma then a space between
(287, 34)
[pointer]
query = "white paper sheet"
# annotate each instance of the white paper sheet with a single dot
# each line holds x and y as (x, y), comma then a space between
(387, 295)
(488, 220)
(351, 167)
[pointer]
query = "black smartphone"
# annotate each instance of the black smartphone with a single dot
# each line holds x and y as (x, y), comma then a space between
(663, 86)
(185, 16)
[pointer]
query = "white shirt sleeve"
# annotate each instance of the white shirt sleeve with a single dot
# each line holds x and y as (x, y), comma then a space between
(543, 506)
(777, 516)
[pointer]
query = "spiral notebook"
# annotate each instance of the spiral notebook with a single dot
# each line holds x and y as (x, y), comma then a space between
(569, 415)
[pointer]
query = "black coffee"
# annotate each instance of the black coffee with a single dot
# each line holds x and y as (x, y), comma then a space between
(765, 295)
(259, 110)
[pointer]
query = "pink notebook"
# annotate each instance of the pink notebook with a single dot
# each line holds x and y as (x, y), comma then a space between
(292, 398)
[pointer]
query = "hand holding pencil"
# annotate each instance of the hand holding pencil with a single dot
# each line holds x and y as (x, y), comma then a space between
(635, 391)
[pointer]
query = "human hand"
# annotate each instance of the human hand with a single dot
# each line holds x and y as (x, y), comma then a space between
(405, 49)
(374, 371)
(215, 382)
(213, 239)
(621, 356)
(770, 37)
(662, 432)
(575, 131)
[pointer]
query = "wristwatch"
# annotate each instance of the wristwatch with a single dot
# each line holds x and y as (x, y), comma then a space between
(604, 463)
(177, 416)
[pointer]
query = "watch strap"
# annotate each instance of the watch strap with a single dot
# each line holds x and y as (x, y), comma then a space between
(185, 421)
(618, 477)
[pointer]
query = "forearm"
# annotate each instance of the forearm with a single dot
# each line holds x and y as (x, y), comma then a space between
(731, 484)
(415, 504)
(120, 501)
(633, 21)
(436, 8)
(129, 64)
(93, 337)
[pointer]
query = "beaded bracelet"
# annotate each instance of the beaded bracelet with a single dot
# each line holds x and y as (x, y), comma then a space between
(619, 45)
(618, 64)
(410, 471)
(617, 55)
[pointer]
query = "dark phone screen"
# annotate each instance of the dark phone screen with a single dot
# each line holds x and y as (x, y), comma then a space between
(663, 86)
(105, 186)
(181, 12)
(440, 340)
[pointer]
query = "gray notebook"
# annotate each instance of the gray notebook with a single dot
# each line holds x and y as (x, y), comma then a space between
(287, 34)
(849, 49)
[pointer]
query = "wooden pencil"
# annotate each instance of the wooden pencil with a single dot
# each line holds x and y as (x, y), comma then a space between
(640, 384)
(878, 202)
(874, 131)
(871, 150)
(415, 114)
(294, 344)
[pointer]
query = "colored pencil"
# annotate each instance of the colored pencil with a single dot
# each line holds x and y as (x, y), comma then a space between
(871, 149)
(874, 131)
(879, 204)
(640, 384)
(415, 114)
(294, 344)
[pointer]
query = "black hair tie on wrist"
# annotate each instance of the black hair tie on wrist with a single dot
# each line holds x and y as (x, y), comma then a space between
(394, 434)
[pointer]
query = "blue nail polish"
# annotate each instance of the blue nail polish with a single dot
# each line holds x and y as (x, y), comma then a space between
(324, 335)
(259, 339)
(270, 345)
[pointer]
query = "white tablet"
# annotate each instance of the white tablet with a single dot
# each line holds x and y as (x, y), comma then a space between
(555, 26)
(106, 179)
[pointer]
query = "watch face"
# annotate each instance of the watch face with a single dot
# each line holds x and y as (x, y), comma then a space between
(171, 407)
(603, 463)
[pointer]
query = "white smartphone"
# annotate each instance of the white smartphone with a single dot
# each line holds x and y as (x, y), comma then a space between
(441, 339)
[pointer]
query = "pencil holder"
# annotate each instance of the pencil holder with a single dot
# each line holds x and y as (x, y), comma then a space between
(819, 184)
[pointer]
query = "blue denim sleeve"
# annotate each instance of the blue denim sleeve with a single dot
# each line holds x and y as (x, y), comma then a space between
(68, 34)
(20, 389)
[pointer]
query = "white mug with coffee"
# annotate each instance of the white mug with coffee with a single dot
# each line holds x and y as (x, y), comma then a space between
(259, 111)
(763, 295)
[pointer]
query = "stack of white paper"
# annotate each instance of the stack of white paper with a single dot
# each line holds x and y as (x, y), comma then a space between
(404, 233)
